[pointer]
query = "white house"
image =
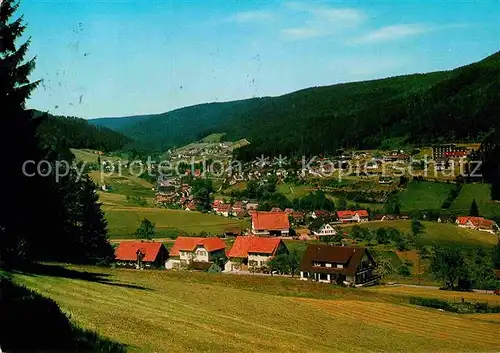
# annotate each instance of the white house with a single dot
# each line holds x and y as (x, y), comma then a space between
(324, 230)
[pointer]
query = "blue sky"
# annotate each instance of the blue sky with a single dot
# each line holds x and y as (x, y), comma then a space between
(118, 58)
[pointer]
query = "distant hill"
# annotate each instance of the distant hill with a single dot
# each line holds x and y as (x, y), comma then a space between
(120, 122)
(72, 132)
(458, 105)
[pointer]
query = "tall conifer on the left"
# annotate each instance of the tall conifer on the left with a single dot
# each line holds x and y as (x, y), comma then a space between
(26, 197)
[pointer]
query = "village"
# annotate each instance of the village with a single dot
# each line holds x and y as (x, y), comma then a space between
(254, 251)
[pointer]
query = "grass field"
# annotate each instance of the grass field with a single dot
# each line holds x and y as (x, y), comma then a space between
(293, 192)
(424, 195)
(479, 192)
(212, 138)
(438, 233)
(160, 311)
(124, 220)
(89, 156)
(124, 184)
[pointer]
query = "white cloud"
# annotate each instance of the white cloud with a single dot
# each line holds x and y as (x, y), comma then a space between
(301, 33)
(322, 20)
(395, 32)
(251, 16)
(346, 16)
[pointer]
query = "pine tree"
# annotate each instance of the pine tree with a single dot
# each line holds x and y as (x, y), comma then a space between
(27, 198)
(495, 186)
(474, 211)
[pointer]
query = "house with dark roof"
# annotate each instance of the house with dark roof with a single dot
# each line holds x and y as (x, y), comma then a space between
(270, 223)
(188, 251)
(251, 251)
(320, 227)
(348, 265)
(141, 254)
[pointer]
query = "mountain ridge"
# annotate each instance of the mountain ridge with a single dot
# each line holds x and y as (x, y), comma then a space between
(414, 108)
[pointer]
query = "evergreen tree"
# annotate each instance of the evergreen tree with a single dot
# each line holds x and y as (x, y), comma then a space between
(146, 230)
(474, 211)
(495, 186)
(47, 216)
(496, 255)
(27, 196)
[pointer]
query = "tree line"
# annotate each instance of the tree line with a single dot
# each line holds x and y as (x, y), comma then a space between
(71, 132)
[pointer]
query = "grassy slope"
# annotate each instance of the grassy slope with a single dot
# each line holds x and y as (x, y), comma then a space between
(298, 191)
(124, 218)
(224, 313)
(439, 233)
(212, 138)
(480, 192)
(424, 195)
(84, 155)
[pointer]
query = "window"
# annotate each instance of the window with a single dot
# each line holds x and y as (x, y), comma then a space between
(317, 264)
(340, 266)
(328, 265)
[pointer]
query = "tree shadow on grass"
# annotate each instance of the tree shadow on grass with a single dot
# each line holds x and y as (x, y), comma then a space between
(52, 270)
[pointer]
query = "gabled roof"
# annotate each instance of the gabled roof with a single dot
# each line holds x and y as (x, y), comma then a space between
(244, 245)
(127, 251)
(276, 209)
(479, 222)
(349, 256)
(225, 207)
(317, 224)
(350, 214)
(190, 243)
(270, 220)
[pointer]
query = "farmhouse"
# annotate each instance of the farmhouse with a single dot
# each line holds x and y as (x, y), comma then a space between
(250, 251)
(441, 151)
(338, 264)
(223, 209)
(319, 227)
(191, 250)
(352, 216)
(237, 208)
(140, 254)
(477, 223)
(319, 213)
(270, 223)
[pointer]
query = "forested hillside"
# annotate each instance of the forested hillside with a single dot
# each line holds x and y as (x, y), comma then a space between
(118, 123)
(458, 105)
(66, 132)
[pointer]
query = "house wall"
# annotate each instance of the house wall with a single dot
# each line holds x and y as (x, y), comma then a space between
(260, 259)
(173, 262)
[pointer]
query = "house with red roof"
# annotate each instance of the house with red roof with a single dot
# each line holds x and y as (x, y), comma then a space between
(191, 206)
(223, 209)
(253, 252)
(270, 223)
(353, 216)
(237, 208)
(194, 250)
(477, 223)
(141, 254)
(216, 204)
